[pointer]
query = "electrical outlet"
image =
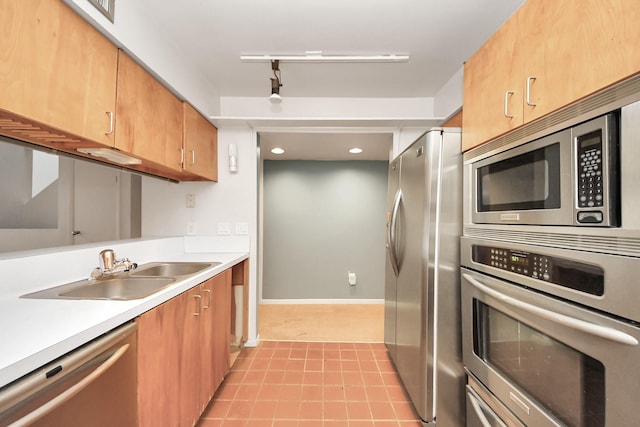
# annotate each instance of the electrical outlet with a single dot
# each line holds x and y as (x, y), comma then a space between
(191, 200)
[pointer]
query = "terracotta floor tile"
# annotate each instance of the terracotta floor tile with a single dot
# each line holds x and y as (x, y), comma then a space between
(311, 411)
(312, 378)
(334, 392)
(404, 411)
(314, 385)
(269, 392)
(382, 411)
(264, 409)
(332, 365)
(335, 411)
(274, 377)
(355, 393)
(288, 410)
(290, 392)
(350, 365)
(314, 365)
(377, 394)
(312, 393)
(248, 392)
(358, 411)
(240, 409)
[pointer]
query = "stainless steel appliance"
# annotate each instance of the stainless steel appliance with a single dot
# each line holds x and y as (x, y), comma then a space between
(95, 385)
(422, 308)
(567, 178)
(550, 360)
(550, 317)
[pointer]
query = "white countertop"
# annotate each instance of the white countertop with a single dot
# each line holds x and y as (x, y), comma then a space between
(37, 331)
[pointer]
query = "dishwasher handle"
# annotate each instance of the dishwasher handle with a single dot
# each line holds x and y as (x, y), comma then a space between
(57, 401)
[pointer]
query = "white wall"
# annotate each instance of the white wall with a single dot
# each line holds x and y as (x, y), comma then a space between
(448, 100)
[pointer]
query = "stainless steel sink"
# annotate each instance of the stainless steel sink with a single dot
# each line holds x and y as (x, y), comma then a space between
(140, 283)
(110, 288)
(170, 269)
(119, 288)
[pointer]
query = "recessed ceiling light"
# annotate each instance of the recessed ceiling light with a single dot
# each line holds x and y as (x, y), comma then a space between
(277, 150)
(355, 150)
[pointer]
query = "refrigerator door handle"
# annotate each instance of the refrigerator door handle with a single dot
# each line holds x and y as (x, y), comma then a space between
(391, 233)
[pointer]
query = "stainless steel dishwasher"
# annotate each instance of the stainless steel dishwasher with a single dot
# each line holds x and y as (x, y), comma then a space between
(94, 385)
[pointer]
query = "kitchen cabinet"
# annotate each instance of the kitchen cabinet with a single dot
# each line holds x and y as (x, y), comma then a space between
(546, 56)
(183, 353)
(148, 117)
(200, 144)
(56, 71)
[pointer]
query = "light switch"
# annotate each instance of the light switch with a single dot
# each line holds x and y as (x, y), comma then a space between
(192, 228)
(224, 228)
(242, 228)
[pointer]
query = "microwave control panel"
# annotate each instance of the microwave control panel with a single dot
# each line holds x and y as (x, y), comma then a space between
(590, 170)
(571, 274)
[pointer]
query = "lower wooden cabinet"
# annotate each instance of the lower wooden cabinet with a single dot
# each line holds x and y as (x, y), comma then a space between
(183, 353)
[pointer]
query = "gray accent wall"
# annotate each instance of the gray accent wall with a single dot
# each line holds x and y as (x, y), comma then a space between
(323, 219)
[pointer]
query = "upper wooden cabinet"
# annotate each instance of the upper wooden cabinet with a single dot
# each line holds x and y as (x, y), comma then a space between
(200, 146)
(56, 70)
(148, 117)
(548, 55)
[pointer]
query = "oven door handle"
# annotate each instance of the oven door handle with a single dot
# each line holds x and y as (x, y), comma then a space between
(571, 322)
(478, 410)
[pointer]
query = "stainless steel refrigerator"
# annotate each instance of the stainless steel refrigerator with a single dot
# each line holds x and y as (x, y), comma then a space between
(422, 287)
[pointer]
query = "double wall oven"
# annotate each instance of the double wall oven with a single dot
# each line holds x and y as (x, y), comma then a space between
(550, 256)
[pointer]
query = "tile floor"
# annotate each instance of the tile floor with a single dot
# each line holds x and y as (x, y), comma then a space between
(311, 384)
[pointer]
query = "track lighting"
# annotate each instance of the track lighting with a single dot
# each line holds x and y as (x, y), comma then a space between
(276, 83)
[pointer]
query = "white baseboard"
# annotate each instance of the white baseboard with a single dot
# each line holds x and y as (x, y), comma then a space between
(322, 301)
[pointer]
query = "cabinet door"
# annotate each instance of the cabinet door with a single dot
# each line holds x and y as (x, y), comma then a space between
(207, 376)
(190, 357)
(576, 47)
(488, 75)
(148, 117)
(221, 325)
(200, 145)
(161, 335)
(56, 69)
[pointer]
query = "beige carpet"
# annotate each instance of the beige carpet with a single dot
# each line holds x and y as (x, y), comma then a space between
(321, 322)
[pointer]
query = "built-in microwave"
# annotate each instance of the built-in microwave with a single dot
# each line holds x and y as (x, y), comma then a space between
(568, 178)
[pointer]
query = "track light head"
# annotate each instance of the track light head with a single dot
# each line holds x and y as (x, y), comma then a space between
(276, 83)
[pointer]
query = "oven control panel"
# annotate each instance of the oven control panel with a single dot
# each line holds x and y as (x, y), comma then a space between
(572, 274)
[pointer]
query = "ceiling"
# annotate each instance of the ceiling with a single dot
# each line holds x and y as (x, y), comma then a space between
(438, 35)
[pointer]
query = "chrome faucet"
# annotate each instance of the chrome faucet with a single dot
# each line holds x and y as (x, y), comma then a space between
(110, 265)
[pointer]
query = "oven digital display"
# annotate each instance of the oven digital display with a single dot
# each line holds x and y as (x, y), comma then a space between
(519, 258)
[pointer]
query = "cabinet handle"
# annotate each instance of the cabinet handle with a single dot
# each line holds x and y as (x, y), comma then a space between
(198, 297)
(110, 114)
(506, 104)
(529, 80)
(182, 156)
(208, 292)
(193, 157)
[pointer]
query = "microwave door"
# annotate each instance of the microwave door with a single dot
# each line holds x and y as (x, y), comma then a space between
(529, 184)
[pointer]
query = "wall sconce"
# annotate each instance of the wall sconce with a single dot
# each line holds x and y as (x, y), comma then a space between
(276, 83)
(233, 158)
